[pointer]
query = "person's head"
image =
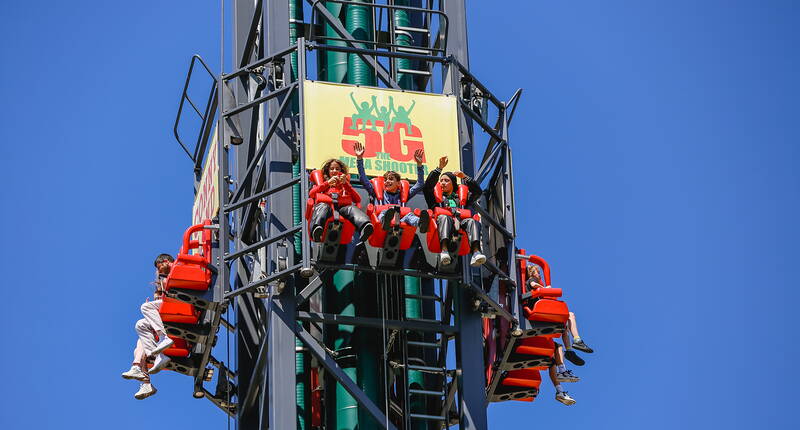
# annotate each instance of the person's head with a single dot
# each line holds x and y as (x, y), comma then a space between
(163, 263)
(364, 105)
(535, 273)
(448, 181)
(333, 167)
(391, 181)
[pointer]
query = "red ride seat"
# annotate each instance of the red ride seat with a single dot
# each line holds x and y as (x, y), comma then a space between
(528, 378)
(536, 345)
(179, 348)
(347, 228)
(542, 305)
(520, 384)
(176, 311)
(433, 241)
(378, 237)
(190, 271)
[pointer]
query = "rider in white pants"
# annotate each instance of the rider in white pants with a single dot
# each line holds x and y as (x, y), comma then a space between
(147, 328)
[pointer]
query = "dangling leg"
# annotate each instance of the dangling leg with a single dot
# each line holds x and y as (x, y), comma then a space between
(578, 343)
(319, 214)
(446, 225)
(138, 368)
(473, 230)
(558, 374)
(359, 219)
(153, 318)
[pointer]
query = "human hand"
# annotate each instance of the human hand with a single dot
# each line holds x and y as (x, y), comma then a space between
(359, 150)
(419, 155)
(459, 174)
(333, 181)
(443, 162)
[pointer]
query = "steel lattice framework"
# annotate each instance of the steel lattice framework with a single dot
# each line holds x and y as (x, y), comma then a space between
(273, 298)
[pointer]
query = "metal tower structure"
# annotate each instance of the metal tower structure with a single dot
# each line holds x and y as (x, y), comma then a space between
(342, 344)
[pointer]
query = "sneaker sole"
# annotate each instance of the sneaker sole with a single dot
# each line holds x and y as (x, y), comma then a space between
(574, 359)
(581, 349)
(138, 378)
(144, 396)
(154, 369)
(161, 349)
(478, 263)
(569, 379)
(566, 402)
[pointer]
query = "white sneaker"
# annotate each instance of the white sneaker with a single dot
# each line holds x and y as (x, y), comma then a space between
(163, 345)
(564, 398)
(160, 363)
(444, 258)
(567, 376)
(477, 259)
(145, 391)
(135, 373)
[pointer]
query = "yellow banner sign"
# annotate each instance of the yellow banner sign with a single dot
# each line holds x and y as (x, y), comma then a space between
(390, 124)
(206, 201)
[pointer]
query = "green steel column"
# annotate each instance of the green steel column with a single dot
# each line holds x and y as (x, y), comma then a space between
(359, 24)
(413, 309)
(358, 21)
(403, 38)
(341, 300)
(332, 64)
(301, 375)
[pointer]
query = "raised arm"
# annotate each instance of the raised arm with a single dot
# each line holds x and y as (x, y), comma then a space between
(354, 102)
(410, 108)
(418, 156)
(358, 148)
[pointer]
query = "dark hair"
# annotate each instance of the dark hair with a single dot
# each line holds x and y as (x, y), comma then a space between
(326, 166)
(161, 257)
(392, 174)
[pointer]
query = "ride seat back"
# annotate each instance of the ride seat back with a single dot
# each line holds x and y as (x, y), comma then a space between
(176, 311)
(528, 378)
(191, 271)
(536, 345)
(547, 310)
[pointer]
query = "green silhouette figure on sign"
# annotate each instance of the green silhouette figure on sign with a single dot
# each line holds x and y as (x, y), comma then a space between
(401, 114)
(364, 113)
(384, 114)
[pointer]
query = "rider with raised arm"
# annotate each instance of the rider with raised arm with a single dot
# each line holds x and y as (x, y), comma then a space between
(446, 224)
(391, 190)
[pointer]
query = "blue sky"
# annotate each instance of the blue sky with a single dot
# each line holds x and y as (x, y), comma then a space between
(654, 151)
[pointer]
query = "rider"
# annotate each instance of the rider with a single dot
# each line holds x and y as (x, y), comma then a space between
(534, 282)
(446, 224)
(146, 345)
(391, 190)
(337, 187)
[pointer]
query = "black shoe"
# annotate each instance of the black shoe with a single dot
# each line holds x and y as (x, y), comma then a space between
(424, 221)
(580, 346)
(366, 232)
(573, 358)
(387, 219)
(316, 233)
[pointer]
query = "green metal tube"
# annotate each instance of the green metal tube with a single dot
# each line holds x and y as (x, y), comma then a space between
(358, 21)
(413, 307)
(333, 65)
(359, 24)
(403, 38)
(346, 406)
